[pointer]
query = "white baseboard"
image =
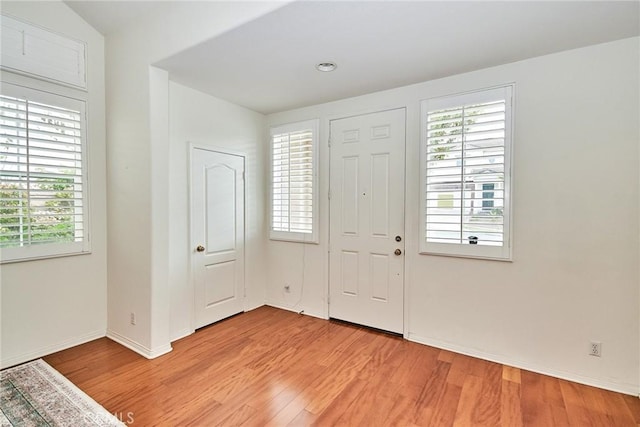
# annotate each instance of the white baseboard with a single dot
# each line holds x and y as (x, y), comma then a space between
(305, 312)
(251, 308)
(44, 351)
(137, 347)
(626, 388)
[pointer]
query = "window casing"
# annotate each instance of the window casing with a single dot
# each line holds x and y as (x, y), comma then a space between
(465, 177)
(294, 195)
(43, 175)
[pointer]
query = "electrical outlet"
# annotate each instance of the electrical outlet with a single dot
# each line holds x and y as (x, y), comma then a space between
(287, 288)
(595, 349)
(133, 318)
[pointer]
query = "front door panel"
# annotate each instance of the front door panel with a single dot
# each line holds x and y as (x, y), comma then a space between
(366, 215)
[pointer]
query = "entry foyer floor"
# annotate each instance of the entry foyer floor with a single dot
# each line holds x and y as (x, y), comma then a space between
(277, 368)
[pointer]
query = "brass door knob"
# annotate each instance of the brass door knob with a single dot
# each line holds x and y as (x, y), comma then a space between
(397, 252)
(200, 248)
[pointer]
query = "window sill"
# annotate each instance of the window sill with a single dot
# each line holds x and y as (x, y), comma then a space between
(10, 257)
(280, 236)
(468, 256)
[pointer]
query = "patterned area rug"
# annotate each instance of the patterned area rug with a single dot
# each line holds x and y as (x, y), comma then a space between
(35, 394)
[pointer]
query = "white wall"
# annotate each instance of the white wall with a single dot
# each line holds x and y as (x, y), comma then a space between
(48, 305)
(205, 121)
(574, 275)
(137, 102)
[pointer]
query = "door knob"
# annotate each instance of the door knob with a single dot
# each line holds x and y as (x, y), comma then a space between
(200, 248)
(397, 252)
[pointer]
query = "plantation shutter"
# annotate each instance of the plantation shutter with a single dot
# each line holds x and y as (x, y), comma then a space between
(292, 183)
(42, 183)
(28, 49)
(466, 174)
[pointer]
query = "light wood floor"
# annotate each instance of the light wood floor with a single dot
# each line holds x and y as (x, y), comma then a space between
(272, 367)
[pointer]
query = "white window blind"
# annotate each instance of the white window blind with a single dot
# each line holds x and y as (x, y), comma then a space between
(293, 195)
(42, 175)
(466, 175)
(37, 52)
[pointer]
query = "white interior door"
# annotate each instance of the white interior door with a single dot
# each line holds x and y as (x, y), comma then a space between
(366, 259)
(217, 234)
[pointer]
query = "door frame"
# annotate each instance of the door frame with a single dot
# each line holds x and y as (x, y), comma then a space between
(191, 147)
(326, 127)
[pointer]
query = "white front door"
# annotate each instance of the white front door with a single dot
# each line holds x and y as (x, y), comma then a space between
(217, 234)
(366, 259)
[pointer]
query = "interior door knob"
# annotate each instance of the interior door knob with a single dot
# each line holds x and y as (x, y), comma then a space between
(397, 252)
(200, 248)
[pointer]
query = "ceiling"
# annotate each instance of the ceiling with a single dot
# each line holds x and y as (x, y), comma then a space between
(268, 64)
(109, 16)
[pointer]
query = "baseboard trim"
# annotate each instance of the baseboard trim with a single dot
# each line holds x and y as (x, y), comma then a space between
(626, 388)
(251, 308)
(44, 351)
(303, 311)
(137, 347)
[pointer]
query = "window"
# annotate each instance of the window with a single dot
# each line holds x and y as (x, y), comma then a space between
(487, 196)
(43, 186)
(27, 49)
(465, 179)
(294, 204)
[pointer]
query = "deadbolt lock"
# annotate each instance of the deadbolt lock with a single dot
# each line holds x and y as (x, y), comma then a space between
(398, 239)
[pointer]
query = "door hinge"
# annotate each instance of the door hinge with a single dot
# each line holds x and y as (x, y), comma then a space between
(243, 176)
(329, 195)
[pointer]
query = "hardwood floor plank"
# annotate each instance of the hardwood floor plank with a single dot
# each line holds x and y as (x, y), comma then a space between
(289, 411)
(402, 412)
(238, 417)
(277, 368)
(511, 374)
(295, 396)
(304, 418)
(559, 415)
(380, 350)
(431, 394)
(468, 400)
(446, 356)
(487, 409)
(542, 400)
(608, 409)
(331, 386)
(446, 407)
(342, 337)
(633, 405)
(510, 404)
(459, 370)
(375, 400)
(417, 371)
(578, 411)
(332, 415)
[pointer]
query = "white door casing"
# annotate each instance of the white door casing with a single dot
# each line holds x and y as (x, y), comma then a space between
(217, 234)
(366, 262)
